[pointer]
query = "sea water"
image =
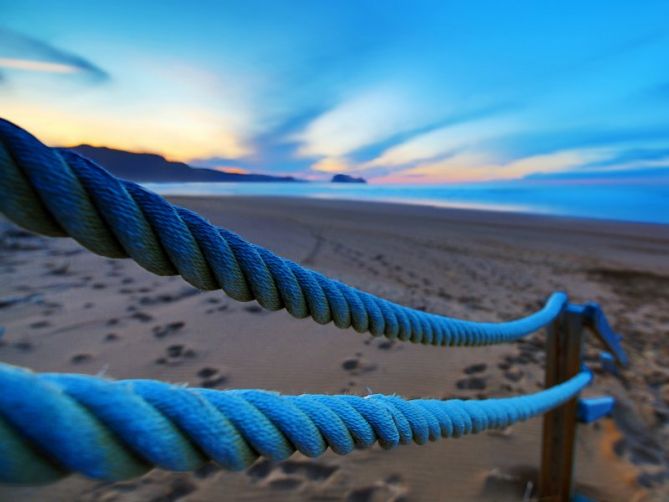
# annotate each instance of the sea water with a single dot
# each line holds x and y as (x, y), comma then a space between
(641, 202)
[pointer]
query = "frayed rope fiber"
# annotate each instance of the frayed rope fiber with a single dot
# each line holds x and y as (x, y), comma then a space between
(52, 425)
(59, 193)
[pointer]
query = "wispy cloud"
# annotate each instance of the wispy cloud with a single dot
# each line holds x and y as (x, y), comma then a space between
(481, 167)
(636, 158)
(24, 53)
(333, 165)
(40, 66)
(365, 118)
(446, 140)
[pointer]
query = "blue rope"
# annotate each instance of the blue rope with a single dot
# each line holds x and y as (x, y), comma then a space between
(55, 424)
(59, 193)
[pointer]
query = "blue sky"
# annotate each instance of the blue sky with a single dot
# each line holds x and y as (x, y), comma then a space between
(395, 91)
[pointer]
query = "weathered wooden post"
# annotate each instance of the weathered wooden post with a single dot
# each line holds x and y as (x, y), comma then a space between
(563, 361)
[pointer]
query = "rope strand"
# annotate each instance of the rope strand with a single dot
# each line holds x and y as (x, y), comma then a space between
(55, 424)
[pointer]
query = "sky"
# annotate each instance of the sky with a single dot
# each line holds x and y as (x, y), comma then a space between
(394, 91)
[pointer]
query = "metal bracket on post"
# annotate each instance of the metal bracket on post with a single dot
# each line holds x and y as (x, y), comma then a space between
(595, 319)
(563, 361)
(591, 409)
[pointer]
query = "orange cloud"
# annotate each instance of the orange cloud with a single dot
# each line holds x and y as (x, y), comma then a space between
(332, 165)
(470, 167)
(231, 169)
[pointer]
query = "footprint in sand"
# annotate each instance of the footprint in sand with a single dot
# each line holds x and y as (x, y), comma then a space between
(80, 358)
(60, 270)
(389, 345)
(212, 377)
(221, 308)
(168, 329)
(260, 470)
(313, 471)
(176, 354)
(207, 470)
(153, 487)
(40, 324)
(504, 365)
(357, 365)
(652, 479)
(514, 374)
(476, 380)
(164, 298)
(475, 368)
(24, 346)
(142, 316)
(391, 489)
(471, 383)
(290, 474)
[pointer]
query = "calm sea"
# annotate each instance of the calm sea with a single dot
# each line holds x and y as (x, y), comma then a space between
(629, 202)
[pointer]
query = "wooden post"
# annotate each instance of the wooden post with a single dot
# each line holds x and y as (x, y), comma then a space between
(563, 361)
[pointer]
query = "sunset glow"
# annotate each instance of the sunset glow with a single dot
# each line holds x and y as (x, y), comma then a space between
(410, 94)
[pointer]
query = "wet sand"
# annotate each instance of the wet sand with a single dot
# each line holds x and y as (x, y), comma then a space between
(65, 309)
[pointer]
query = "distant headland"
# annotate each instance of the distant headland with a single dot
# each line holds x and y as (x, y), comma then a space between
(345, 178)
(154, 168)
(147, 167)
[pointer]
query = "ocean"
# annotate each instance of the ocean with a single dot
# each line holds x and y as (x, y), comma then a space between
(641, 202)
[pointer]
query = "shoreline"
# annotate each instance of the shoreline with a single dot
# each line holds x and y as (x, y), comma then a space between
(553, 227)
(456, 211)
(601, 202)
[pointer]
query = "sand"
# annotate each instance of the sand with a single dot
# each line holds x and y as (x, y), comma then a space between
(65, 309)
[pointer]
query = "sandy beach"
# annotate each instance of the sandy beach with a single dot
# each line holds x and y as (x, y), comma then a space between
(65, 309)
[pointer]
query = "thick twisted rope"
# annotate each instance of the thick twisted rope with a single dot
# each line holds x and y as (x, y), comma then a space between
(55, 424)
(60, 193)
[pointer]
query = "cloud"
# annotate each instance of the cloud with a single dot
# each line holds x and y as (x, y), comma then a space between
(20, 52)
(40, 66)
(482, 167)
(633, 159)
(366, 118)
(333, 165)
(446, 140)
